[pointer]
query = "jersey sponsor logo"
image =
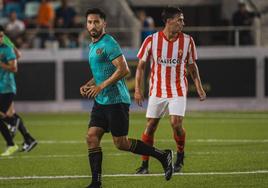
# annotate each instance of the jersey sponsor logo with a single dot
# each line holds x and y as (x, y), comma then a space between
(168, 61)
(99, 51)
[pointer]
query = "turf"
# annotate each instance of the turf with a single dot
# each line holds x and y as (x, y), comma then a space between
(224, 149)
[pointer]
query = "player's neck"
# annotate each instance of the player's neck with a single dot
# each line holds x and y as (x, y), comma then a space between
(171, 36)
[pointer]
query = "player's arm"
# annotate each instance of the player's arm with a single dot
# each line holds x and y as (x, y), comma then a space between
(11, 66)
(193, 70)
(138, 95)
(17, 52)
(121, 71)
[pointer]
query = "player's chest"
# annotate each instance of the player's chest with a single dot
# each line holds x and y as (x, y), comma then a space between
(97, 54)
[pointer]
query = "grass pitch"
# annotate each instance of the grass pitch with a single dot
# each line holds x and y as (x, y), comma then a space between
(223, 149)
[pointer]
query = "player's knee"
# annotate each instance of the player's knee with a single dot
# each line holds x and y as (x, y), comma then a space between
(121, 144)
(91, 139)
(2, 115)
(9, 114)
(177, 123)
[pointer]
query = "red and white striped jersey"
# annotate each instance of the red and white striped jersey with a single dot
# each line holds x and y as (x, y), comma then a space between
(168, 63)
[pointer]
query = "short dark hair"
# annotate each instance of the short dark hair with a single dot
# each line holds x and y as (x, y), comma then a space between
(96, 11)
(170, 12)
(2, 29)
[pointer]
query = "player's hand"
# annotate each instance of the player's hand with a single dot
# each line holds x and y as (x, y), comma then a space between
(83, 90)
(202, 95)
(138, 97)
(93, 91)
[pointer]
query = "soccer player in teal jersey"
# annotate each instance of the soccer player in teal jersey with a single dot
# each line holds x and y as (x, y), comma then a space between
(111, 107)
(8, 66)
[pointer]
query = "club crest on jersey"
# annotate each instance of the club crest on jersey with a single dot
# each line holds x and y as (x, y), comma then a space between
(99, 51)
(180, 52)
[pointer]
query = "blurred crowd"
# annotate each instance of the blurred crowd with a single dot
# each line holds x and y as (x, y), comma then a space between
(46, 22)
(56, 23)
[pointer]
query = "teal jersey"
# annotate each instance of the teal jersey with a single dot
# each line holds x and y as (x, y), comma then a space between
(101, 54)
(7, 79)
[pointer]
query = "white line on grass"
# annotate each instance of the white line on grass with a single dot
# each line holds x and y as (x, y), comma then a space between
(133, 175)
(158, 140)
(165, 140)
(126, 154)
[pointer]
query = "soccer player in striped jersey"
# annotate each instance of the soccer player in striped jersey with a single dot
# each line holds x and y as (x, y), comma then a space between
(171, 54)
(8, 66)
(111, 106)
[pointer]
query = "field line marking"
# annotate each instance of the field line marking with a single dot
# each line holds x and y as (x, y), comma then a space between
(193, 153)
(163, 140)
(109, 141)
(133, 175)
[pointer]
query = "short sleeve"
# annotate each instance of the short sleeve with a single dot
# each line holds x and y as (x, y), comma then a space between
(192, 52)
(145, 49)
(113, 50)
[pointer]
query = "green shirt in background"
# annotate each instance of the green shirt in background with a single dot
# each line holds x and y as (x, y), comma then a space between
(8, 42)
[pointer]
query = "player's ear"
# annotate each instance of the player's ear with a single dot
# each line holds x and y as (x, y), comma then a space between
(168, 20)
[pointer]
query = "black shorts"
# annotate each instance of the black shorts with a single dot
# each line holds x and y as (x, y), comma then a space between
(6, 100)
(113, 117)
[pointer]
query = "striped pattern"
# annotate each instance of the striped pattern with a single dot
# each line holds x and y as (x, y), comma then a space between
(133, 144)
(94, 150)
(168, 63)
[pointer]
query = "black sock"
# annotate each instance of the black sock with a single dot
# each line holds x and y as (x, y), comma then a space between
(26, 135)
(16, 120)
(95, 161)
(139, 147)
(5, 132)
(145, 163)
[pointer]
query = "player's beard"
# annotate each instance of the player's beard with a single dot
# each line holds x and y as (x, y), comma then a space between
(95, 33)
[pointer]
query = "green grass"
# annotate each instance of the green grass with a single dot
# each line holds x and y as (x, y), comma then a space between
(217, 142)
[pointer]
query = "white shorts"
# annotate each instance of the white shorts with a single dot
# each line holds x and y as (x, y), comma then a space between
(157, 107)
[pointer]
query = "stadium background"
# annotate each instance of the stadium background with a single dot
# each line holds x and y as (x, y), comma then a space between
(226, 134)
(234, 76)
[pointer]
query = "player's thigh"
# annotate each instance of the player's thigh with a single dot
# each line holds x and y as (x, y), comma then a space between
(157, 107)
(118, 118)
(98, 118)
(177, 106)
(6, 101)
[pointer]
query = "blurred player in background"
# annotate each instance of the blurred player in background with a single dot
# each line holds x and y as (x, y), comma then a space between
(8, 117)
(111, 106)
(170, 52)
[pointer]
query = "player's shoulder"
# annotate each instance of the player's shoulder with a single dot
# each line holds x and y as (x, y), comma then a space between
(154, 34)
(109, 39)
(149, 38)
(187, 36)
